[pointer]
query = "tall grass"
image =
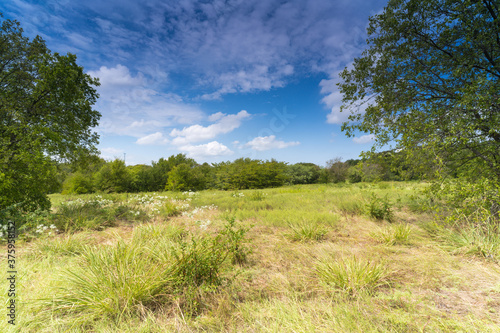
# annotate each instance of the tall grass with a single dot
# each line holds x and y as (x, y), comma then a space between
(129, 277)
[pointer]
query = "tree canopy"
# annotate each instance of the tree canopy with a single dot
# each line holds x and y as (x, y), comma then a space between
(46, 113)
(430, 81)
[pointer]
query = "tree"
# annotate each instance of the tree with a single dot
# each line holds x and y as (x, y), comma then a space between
(336, 170)
(114, 177)
(430, 81)
(45, 113)
(184, 177)
(302, 173)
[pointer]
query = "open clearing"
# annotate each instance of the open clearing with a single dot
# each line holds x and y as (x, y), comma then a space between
(309, 258)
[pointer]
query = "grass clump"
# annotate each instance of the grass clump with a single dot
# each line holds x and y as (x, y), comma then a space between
(170, 209)
(129, 278)
(391, 235)
(351, 275)
(65, 245)
(306, 232)
(257, 196)
(111, 282)
(477, 234)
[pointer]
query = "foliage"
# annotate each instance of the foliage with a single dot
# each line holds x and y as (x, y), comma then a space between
(113, 177)
(245, 173)
(302, 173)
(46, 111)
(336, 170)
(78, 183)
(430, 82)
(183, 177)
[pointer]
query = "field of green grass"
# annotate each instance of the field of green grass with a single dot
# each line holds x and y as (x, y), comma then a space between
(311, 258)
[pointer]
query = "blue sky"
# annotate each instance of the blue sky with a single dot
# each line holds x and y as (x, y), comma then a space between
(216, 80)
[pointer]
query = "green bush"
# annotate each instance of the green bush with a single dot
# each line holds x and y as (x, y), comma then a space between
(380, 209)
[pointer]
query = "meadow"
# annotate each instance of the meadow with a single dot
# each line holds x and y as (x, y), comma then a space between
(364, 257)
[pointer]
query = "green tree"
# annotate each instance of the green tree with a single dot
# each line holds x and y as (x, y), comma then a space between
(184, 177)
(114, 177)
(160, 170)
(430, 81)
(302, 173)
(45, 113)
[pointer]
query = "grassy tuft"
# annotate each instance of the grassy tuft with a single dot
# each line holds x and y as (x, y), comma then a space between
(352, 275)
(391, 235)
(306, 232)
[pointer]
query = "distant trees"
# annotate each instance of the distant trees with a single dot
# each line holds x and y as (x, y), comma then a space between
(180, 173)
(245, 173)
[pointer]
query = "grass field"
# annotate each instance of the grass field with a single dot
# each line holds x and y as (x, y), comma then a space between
(312, 258)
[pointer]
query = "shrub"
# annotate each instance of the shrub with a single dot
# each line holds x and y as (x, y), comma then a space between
(380, 209)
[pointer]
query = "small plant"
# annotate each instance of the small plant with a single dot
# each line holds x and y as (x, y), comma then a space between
(170, 209)
(351, 275)
(397, 234)
(306, 232)
(257, 196)
(380, 209)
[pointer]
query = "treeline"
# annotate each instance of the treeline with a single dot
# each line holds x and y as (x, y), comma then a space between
(180, 173)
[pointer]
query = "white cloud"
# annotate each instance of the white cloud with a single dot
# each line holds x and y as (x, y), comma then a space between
(111, 151)
(260, 77)
(196, 133)
(131, 105)
(364, 139)
(333, 100)
(117, 76)
(211, 149)
(152, 139)
(262, 143)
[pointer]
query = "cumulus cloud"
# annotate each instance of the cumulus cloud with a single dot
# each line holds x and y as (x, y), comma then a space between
(195, 133)
(152, 139)
(211, 149)
(262, 143)
(364, 139)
